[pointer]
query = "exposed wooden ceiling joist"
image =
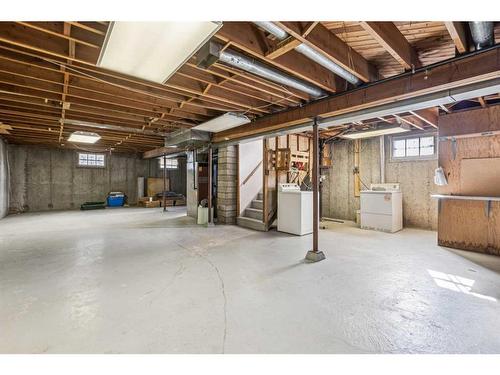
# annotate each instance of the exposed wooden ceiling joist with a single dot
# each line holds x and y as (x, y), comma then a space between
(473, 69)
(324, 41)
(248, 38)
(48, 74)
(458, 33)
(389, 36)
(429, 116)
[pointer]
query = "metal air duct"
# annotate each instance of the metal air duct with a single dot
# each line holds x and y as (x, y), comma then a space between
(187, 138)
(482, 34)
(310, 53)
(212, 52)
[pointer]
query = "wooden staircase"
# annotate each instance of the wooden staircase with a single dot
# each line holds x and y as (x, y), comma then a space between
(252, 217)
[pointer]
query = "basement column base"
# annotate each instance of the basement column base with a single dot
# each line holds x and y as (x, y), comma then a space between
(315, 256)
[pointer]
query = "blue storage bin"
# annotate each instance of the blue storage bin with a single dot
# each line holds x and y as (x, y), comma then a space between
(116, 200)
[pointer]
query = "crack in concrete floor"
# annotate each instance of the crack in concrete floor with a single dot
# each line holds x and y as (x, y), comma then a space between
(203, 254)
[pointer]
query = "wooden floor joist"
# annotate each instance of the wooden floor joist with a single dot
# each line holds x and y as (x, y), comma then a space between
(49, 73)
(456, 73)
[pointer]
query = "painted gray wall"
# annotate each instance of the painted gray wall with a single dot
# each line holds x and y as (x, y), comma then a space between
(4, 180)
(49, 179)
(415, 177)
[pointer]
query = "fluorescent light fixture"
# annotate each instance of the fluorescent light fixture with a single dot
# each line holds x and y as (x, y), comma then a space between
(84, 137)
(226, 121)
(374, 132)
(153, 50)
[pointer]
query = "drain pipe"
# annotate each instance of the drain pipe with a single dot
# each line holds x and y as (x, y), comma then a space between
(382, 159)
(482, 34)
(310, 53)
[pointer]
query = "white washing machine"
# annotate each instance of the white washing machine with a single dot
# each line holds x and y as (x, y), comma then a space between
(382, 208)
(295, 210)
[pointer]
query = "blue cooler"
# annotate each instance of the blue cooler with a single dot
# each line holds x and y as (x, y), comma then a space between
(116, 199)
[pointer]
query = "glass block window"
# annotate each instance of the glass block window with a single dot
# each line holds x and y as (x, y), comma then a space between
(91, 160)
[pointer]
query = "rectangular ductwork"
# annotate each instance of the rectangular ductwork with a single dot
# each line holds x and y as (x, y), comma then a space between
(187, 138)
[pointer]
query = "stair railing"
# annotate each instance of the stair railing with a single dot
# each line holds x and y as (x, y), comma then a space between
(251, 173)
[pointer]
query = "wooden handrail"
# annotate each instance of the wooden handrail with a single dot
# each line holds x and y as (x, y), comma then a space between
(251, 173)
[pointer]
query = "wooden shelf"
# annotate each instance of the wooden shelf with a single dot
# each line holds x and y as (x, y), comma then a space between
(465, 197)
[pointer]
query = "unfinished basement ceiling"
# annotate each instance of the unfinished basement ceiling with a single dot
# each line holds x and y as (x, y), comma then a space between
(50, 85)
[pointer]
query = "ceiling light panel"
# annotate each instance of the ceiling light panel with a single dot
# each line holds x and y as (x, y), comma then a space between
(226, 121)
(153, 50)
(376, 132)
(84, 137)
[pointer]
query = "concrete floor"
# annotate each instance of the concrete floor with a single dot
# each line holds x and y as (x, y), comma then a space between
(140, 281)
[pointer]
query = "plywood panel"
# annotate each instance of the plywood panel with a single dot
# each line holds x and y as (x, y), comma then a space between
(463, 225)
(494, 229)
(465, 148)
(155, 185)
(470, 122)
(472, 167)
(480, 177)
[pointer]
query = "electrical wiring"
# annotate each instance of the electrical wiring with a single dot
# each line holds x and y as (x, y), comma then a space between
(273, 103)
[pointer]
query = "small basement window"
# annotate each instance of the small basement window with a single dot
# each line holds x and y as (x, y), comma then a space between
(171, 163)
(91, 160)
(413, 147)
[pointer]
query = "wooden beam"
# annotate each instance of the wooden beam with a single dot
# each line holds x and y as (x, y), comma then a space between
(63, 35)
(176, 85)
(287, 45)
(157, 152)
(482, 102)
(429, 116)
(411, 123)
(389, 37)
(443, 107)
(65, 104)
(97, 89)
(452, 74)
(250, 39)
(308, 28)
(324, 41)
(458, 33)
(133, 86)
(34, 40)
(88, 28)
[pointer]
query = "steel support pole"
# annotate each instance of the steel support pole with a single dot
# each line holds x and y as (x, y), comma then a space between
(321, 149)
(315, 255)
(315, 184)
(164, 182)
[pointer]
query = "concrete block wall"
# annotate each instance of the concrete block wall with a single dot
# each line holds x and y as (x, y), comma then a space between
(415, 177)
(227, 180)
(44, 179)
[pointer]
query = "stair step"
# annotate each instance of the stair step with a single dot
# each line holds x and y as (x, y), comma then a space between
(253, 213)
(257, 203)
(250, 223)
(260, 196)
